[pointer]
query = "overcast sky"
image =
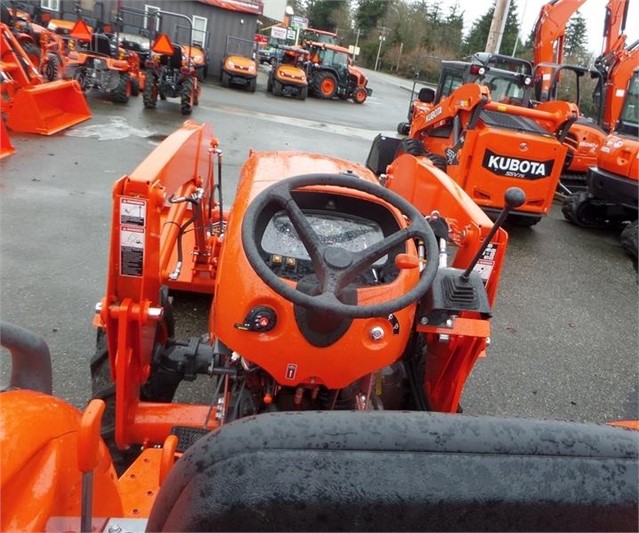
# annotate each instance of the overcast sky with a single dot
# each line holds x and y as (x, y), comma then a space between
(593, 12)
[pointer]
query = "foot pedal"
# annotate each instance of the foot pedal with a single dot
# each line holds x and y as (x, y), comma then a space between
(187, 436)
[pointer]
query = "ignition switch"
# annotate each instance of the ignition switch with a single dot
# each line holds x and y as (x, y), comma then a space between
(259, 319)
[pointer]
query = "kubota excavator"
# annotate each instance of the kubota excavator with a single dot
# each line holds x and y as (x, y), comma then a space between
(485, 145)
(614, 67)
(335, 309)
(613, 188)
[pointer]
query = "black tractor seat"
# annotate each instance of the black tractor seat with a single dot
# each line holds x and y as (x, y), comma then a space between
(402, 471)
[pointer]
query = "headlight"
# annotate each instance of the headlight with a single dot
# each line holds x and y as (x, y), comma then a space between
(198, 58)
(231, 64)
(53, 26)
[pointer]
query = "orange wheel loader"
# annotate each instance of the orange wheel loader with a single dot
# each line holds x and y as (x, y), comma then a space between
(30, 104)
(341, 313)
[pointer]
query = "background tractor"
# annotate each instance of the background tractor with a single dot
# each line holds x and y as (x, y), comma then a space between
(171, 75)
(97, 66)
(331, 73)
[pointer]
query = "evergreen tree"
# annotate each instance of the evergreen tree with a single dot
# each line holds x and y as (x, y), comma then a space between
(328, 14)
(576, 39)
(370, 13)
(478, 35)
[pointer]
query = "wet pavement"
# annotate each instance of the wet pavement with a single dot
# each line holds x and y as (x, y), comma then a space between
(564, 333)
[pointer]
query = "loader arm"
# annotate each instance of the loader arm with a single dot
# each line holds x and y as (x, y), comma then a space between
(151, 213)
(32, 106)
(459, 108)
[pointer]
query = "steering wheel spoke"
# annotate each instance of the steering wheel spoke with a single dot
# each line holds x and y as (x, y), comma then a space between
(307, 235)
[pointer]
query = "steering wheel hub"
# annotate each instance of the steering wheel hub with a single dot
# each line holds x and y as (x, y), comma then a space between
(338, 258)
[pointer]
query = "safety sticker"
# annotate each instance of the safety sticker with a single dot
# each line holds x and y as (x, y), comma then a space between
(486, 263)
(132, 212)
(131, 251)
(291, 370)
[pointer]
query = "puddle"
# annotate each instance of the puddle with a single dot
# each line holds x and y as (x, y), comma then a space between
(117, 128)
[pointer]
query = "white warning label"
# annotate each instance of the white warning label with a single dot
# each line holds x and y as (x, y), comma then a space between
(486, 263)
(131, 251)
(132, 212)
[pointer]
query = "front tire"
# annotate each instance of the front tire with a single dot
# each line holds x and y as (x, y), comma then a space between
(360, 95)
(277, 88)
(226, 79)
(186, 96)
(411, 147)
(52, 68)
(150, 95)
(629, 241)
(122, 92)
(252, 85)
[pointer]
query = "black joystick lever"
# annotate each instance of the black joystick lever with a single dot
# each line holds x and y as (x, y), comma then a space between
(514, 197)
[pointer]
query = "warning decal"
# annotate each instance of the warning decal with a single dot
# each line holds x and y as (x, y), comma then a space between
(132, 212)
(132, 227)
(131, 251)
(486, 263)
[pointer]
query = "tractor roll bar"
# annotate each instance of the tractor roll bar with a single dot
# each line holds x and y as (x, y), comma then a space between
(30, 358)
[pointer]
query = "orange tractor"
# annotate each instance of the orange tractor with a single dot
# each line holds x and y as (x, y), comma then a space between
(335, 310)
(45, 48)
(331, 74)
(30, 104)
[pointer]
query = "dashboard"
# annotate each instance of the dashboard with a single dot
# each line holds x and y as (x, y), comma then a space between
(351, 224)
(346, 231)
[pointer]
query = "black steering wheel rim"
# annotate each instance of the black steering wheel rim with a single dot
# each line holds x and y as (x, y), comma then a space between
(280, 194)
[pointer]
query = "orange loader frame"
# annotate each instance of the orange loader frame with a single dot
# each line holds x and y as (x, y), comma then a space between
(133, 312)
(32, 106)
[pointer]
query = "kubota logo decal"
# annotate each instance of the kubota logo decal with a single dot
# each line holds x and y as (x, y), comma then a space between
(517, 168)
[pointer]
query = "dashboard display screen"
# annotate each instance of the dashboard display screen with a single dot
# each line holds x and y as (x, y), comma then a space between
(345, 231)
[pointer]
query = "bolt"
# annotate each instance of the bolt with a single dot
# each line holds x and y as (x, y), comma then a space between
(449, 323)
(488, 341)
(156, 312)
(377, 333)
(423, 321)
(98, 308)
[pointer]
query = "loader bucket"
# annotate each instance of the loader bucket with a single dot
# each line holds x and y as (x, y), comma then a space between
(48, 108)
(6, 148)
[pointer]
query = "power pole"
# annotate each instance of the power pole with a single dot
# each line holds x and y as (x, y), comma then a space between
(382, 38)
(497, 26)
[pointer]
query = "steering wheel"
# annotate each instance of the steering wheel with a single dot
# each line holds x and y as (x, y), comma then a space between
(334, 266)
